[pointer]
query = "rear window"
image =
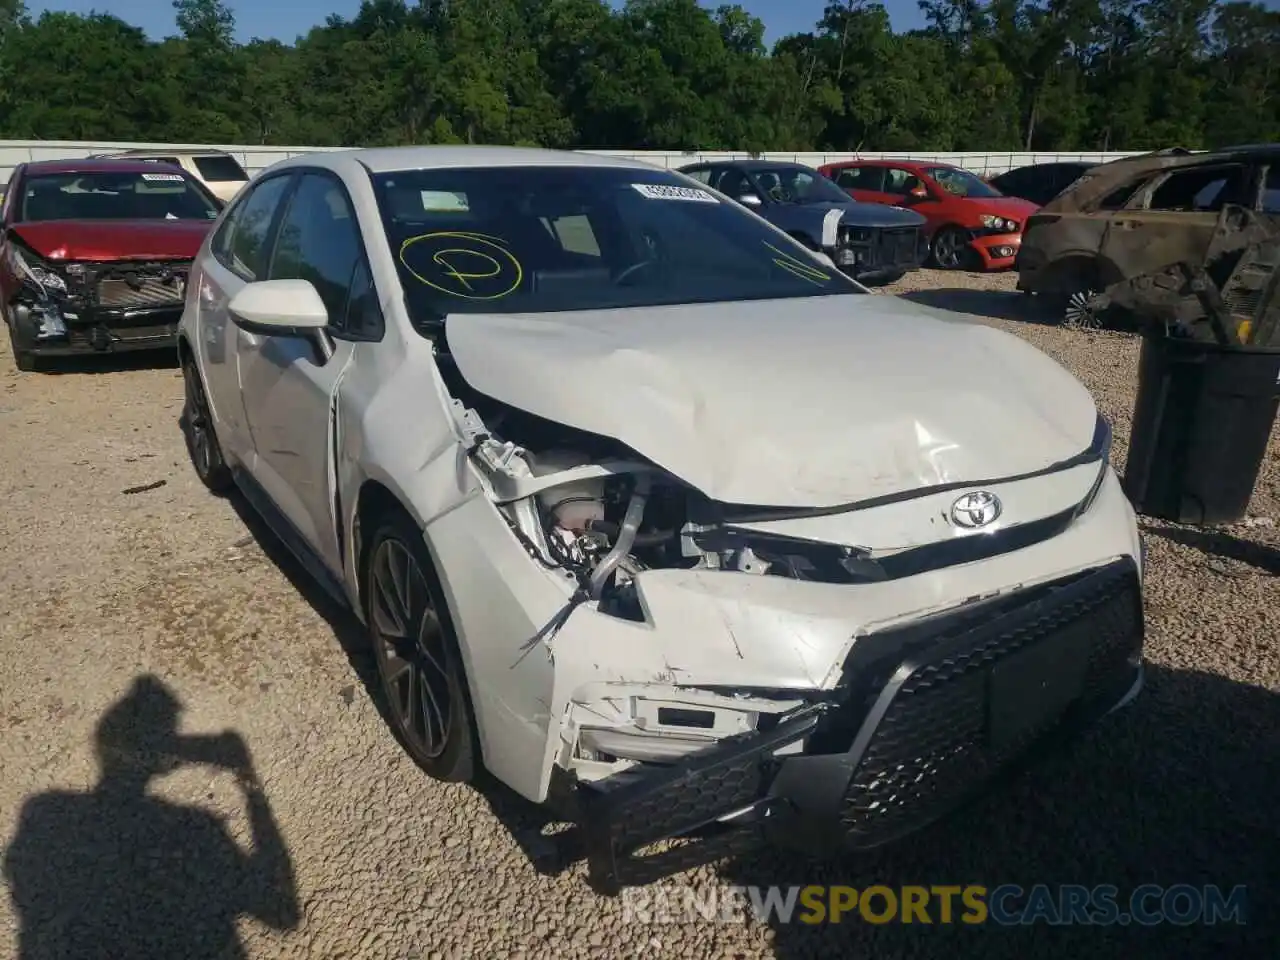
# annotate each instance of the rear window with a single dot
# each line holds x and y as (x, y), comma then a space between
(218, 169)
(159, 195)
(549, 239)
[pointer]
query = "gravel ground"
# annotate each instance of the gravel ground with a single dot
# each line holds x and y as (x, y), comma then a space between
(360, 856)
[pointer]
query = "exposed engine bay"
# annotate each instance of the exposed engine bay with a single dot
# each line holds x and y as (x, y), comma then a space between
(590, 506)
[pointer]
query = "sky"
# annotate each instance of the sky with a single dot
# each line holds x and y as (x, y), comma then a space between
(286, 19)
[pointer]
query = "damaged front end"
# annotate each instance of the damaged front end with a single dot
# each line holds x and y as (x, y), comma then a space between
(63, 307)
(924, 717)
(673, 761)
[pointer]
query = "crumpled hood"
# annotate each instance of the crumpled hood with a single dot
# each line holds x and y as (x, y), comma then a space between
(813, 402)
(104, 240)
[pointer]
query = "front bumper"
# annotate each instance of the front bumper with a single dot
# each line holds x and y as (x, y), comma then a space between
(997, 251)
(98, 330)
(867, 253)
(926, 716)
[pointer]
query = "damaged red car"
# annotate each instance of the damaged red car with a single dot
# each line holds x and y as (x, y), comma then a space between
(95, 253)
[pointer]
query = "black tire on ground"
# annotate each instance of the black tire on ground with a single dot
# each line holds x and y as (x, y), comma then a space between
(198, 431)
(420, 667)
(24, 360)
(884, 279)
(949, 249)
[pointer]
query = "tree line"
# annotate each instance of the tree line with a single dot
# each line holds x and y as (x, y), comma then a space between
(660, 74)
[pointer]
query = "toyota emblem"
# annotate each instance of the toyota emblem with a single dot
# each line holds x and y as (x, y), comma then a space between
(976, 510)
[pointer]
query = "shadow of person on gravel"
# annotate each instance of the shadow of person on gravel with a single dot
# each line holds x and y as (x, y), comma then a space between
(116, 872)
(1177, 788)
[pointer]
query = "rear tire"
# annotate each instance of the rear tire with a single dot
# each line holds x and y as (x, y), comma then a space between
(197, 430)
(417, 654)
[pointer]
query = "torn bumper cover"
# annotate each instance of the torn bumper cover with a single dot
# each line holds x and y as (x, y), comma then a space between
(925, 716)
(93, 307)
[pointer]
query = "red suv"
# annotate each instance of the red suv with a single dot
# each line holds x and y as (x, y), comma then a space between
(971, 224)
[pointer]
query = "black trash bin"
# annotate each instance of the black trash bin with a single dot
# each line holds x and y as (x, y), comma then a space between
(1201, 424)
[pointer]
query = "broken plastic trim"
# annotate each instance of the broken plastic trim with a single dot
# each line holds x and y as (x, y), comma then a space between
(608, 813)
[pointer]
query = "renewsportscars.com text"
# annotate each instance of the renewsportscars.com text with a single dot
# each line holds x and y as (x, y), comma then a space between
(1004, 905)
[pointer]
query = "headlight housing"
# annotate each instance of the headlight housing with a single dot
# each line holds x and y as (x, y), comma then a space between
(44, 278)
(992, 222)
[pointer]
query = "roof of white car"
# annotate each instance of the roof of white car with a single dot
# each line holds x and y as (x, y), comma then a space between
(390, 159)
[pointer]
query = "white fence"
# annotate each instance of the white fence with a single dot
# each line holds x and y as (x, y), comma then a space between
(13, 152)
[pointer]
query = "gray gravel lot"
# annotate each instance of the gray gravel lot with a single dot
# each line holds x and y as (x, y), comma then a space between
(362, 857)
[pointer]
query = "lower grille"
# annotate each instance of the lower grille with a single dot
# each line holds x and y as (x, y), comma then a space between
(142, 292)
(935, 742)
(898, 246)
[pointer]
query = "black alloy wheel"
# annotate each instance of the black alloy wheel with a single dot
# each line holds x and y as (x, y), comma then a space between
(951, 249)
(418, 659)
(197, 430)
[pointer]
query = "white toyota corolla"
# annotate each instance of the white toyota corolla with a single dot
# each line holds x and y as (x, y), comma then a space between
(649, 511)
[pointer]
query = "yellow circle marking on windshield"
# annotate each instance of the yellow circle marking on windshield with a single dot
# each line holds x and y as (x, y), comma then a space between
(483, 258)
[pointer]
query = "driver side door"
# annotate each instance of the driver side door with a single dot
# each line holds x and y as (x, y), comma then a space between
(291, 391)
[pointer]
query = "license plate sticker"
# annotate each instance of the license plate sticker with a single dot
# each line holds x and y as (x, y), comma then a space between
(1034, 686)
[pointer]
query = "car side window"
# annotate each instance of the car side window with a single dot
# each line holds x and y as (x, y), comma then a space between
(702, 176)
(7, 205)
(320, 242)
(899, 181)
(573, 234)
(1200, 190)
(1271, 190)
(861, 178)
(362, 318)
(734, 183)
(240, 244)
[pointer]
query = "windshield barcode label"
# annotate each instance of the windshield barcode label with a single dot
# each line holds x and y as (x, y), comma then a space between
(660, 192)
(164, 177)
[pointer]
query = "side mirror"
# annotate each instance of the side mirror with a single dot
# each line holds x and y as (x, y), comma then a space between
(283, 308)
(751, 200)
(917, 193)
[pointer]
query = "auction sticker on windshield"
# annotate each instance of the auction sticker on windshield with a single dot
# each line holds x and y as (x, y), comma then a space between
(657, 191)
(165, 177)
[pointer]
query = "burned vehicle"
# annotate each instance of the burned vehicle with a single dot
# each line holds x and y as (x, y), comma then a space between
(650, 513)
(1156, 235)
(870, 242)
(94, 255)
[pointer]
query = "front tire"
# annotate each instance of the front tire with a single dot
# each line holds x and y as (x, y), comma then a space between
(197, 429)
(418, 658)
(950, 249)
(23, 359)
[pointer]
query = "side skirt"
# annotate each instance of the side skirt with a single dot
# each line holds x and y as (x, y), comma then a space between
(283, 528)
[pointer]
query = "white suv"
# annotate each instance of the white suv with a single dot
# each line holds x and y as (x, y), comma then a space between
(216, 169)
(649, 511)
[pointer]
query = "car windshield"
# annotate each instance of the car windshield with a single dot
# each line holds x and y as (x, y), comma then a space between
(961, 182)
(156, 195)
(798, 185)
(539, 239)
